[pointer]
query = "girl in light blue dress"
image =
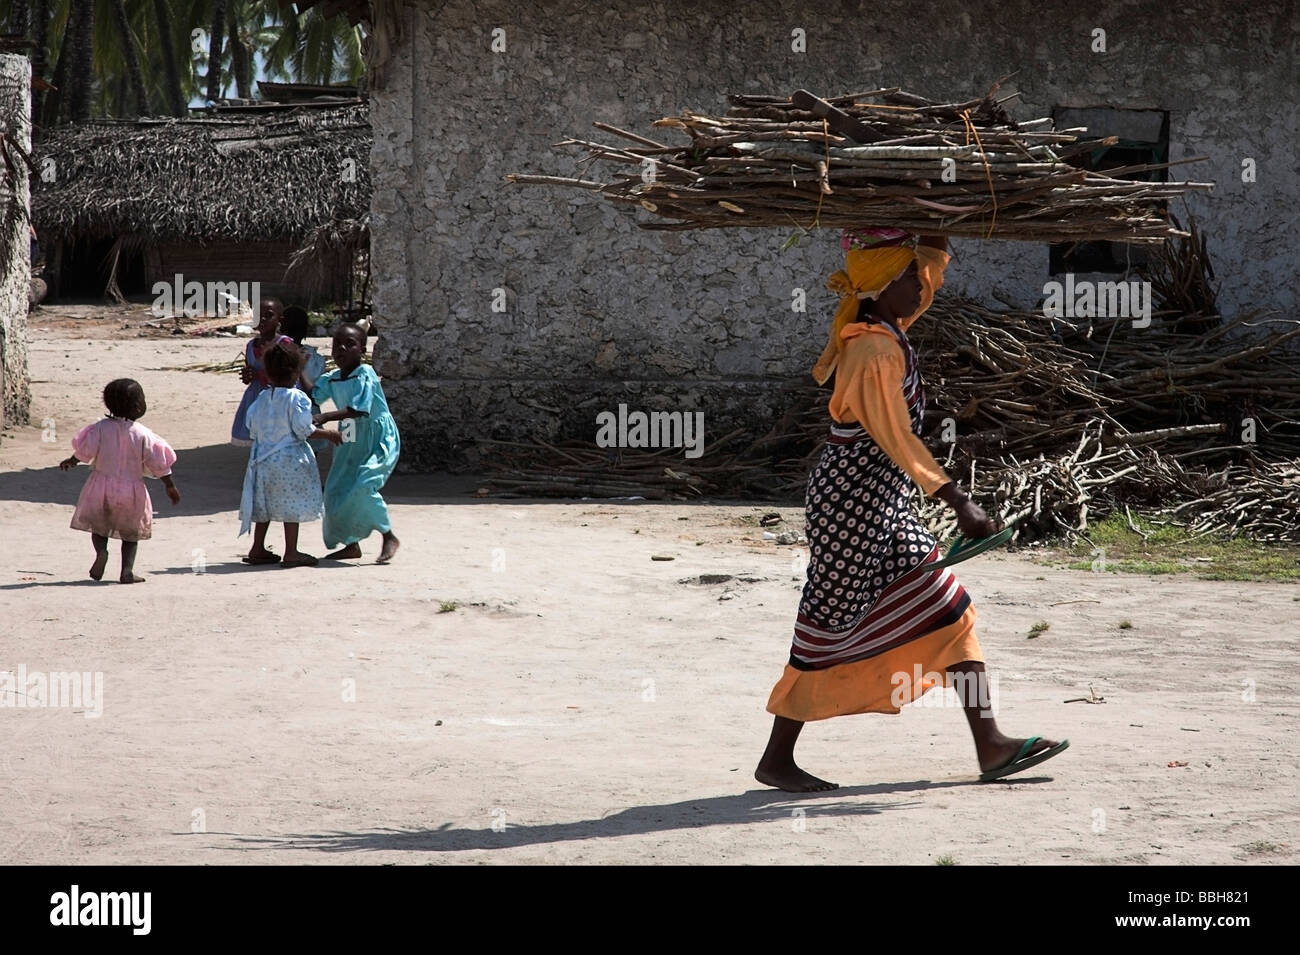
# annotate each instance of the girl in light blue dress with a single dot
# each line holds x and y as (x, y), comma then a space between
(281, 482)
(365, 459)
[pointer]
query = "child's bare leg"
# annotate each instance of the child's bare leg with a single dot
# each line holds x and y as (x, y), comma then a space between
(350, 552)
(292, 556)
(391, 543)
(258, 550)
(101, 556)
(128, 563)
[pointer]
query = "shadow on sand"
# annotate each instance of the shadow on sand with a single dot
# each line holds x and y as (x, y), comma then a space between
(754, 806)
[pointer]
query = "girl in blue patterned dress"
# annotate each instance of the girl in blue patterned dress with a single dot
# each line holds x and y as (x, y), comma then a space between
(282, 482)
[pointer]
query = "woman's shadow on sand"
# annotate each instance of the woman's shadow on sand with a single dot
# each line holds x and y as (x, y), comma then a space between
(755, 806)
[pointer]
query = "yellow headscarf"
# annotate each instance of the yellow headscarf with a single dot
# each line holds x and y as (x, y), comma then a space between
(867, 273)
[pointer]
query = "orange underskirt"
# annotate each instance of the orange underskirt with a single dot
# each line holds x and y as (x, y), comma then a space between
(880, 684)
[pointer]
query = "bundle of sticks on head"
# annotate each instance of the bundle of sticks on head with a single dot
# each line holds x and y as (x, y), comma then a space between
(880, 158)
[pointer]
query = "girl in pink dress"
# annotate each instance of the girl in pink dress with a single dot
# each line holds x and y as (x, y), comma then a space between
(115, 502)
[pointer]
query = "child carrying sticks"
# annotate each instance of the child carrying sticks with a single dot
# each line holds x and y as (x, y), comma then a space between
(363, 462)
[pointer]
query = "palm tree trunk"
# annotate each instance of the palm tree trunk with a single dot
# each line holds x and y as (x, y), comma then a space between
(239, 61)
(55, 104)
(80, 39)
(41, 54)
(175, 100)
(18, 18)
(214, 50)
(132, 61)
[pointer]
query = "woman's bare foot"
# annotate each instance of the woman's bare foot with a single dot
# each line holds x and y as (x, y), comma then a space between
(391, 544)
(791, 779)
(351, 552)
(130, 577)
(97, 568)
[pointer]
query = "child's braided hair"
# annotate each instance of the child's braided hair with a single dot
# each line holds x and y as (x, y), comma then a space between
(283, 361)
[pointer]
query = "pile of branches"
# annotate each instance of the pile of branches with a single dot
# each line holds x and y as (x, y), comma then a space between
(883, 157)
(1056, 425)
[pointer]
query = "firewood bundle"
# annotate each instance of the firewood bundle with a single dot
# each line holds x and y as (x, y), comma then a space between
(1055, 426)
(881, 158)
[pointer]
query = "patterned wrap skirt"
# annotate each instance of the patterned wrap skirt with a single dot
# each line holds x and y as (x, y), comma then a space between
(863, 537)
(870, 636)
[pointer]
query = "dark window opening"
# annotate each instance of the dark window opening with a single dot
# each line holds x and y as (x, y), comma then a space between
(1143, 139)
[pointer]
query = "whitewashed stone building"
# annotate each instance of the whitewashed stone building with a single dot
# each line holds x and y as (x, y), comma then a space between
(598, 312)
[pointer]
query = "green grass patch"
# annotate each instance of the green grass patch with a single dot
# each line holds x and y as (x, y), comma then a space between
(1039, 628)
(447, 606)
(945, 860)
(1168, 549)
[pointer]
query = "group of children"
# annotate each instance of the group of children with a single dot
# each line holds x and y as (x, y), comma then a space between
(279, 418)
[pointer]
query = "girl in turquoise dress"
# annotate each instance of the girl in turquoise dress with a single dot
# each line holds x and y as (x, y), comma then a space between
(362, 463)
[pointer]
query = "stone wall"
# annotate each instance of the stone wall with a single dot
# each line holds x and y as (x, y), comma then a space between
(598, 312)
(15, 274)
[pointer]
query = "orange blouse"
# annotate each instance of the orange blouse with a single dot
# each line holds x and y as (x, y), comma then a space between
(869, 383)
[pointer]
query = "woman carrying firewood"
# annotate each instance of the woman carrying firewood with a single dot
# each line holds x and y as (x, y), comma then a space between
(873, 633)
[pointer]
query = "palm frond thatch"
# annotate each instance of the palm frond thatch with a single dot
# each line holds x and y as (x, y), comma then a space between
(269, 178)
(330, 249)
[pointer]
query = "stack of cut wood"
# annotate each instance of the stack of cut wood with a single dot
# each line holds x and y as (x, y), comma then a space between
(1055, 425)
(878, 158)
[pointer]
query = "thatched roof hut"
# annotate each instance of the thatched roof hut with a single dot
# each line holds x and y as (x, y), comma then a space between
(225, 195)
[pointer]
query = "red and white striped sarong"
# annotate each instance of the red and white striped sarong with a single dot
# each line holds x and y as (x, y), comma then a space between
(863, 537)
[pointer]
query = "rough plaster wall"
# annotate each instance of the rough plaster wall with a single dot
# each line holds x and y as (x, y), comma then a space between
(601, 312)
(15, 78)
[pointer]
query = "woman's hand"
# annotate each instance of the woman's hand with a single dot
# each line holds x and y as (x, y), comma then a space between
(972, 521)
(246, 375)
(173, 494)
(68, 463)
(333, 437)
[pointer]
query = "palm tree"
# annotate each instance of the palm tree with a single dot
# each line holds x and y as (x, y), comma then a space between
(313, 48)
(217, 34)
(18, 18)
(167, 44)
(40, 27)
(241, 60)
(59, 26)
(132, 57)
(127, 39)
(81, 46)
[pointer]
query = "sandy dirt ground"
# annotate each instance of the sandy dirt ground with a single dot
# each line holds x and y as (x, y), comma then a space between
(582, 703)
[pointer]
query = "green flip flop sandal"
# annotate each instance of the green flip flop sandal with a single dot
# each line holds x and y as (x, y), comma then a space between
(963, 549)
(1021, 761)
